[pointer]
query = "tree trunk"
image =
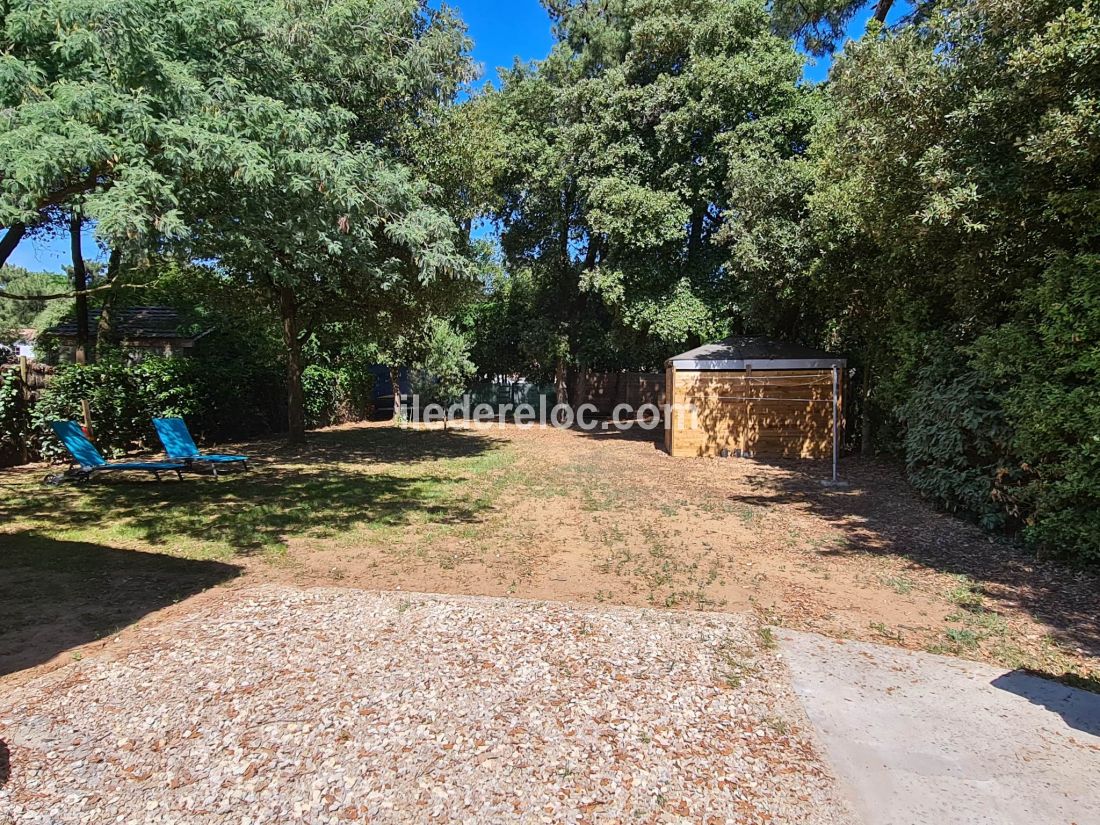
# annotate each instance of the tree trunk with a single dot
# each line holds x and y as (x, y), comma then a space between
(80, 284)
(105, 329)
(567, 288)
(296, 401)
(592, 255)
(395, 382)
(560, 381)
(25, 402)
(866, 426)
(580, 386)
(11, 240)
(695, 235)
(577, 378)
(882, 8)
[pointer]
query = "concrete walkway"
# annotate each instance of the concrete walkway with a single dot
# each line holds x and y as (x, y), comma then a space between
(930, 740)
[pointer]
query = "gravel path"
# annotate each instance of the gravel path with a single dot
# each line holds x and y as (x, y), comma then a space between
(287, 705)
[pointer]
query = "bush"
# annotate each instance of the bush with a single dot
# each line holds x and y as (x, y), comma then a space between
(336, 395)
(1008, 431)
(444, 369)
(219, 399)
(956, 442)
(121, 413)
(15, 422)
(1046, 366)
(321, 387)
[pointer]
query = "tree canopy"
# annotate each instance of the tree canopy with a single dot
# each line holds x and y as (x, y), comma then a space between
(115, 107)
(621, 145)
(338, 220)
(16, 315)
(822, 25)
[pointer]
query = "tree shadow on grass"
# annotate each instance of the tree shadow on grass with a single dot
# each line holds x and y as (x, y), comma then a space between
(634, 433)
(56, 595)
(387, 445)
(63, 584)
(246, 513)
(880, 514)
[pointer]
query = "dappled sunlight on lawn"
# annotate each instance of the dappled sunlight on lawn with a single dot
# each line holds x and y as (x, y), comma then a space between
(340, 481)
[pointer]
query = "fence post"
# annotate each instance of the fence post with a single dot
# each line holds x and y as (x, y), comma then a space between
(25, 398)
(87, 410)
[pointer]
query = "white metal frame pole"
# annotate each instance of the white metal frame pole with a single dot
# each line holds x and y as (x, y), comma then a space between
(836, 430)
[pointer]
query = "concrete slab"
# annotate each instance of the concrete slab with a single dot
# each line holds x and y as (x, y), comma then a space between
(931, 740)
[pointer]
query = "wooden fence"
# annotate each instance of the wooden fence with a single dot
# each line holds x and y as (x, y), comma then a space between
(29, 379)
(604, 390)
(607, 390)
(34, 377)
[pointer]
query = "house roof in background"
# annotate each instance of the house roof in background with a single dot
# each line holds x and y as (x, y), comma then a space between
(130, 323)
(744, 351)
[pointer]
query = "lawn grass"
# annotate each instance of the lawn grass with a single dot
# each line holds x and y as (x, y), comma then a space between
(78, 563)
(539, 515)
(398, 478)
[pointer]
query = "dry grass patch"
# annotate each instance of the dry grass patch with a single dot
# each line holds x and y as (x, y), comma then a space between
(559, 515)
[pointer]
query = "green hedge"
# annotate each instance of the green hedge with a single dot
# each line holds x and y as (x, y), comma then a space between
(1045, 367)
(219, 400)
(1007, 430)
(957, 444)
(15, 420)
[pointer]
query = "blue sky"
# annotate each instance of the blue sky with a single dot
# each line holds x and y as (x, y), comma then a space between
(502, 30)
(51, 254)
(505, 29)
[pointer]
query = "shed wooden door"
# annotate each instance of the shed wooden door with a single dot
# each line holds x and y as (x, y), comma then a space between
(780, 413)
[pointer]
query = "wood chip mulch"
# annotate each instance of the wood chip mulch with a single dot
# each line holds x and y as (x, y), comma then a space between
(325, 705)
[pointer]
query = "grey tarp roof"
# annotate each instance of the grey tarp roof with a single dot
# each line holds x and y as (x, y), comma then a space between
(742, 352)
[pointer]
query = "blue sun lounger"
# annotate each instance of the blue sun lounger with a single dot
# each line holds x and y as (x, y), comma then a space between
(180, 446)
(89, 463)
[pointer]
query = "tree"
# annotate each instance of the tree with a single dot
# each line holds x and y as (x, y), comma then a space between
(335, 223)
(271, 137)
(614, 194)
(769, 280)
(402, 321)
(822, 25)
(443, 371)
(955, 199)
(497, 322)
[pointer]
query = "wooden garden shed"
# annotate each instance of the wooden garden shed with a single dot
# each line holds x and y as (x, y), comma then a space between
(748, 396)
